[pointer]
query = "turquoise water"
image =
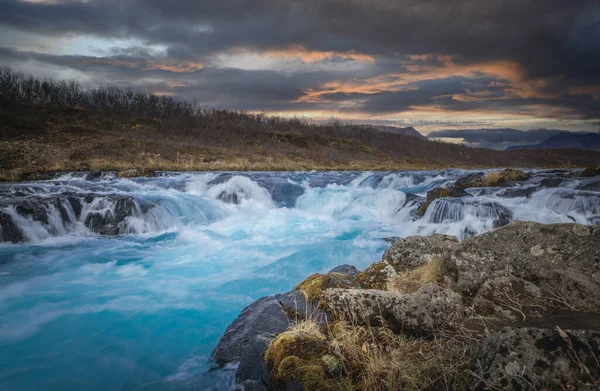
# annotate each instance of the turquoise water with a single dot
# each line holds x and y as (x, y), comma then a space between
(144, 310)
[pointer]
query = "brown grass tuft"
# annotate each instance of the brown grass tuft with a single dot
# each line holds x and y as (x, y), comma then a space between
(430, 273)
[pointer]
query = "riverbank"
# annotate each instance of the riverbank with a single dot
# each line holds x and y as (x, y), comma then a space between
(36, 140)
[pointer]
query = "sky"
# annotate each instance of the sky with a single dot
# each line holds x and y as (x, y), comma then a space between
(471, 68)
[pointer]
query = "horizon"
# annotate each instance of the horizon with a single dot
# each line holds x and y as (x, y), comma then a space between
(519, 66)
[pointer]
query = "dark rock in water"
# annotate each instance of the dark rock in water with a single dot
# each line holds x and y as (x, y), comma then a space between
(345, 269)
(552, 182)
(33, 209)
(392, 239)
(590, 186)
(286, 194)
(516, 358)
(414, 251)
(441, 192)
(250, 385)
(263, 317)
(448, 209)
(9, 232)
(110, 222)
(516, 192)
(92, 175)
(221, 178)
(229, 197)
(472, 180)
(252, 360)
(561, 259)
(407, 313)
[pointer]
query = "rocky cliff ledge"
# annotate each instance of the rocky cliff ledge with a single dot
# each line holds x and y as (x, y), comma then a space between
(515, 308)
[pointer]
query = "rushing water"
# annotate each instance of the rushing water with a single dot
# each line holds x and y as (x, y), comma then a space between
(128, 284)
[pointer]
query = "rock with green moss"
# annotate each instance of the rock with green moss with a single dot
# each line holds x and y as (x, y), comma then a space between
(420, 313)
(295, 358)
(540, 359)
(414, 251)
(591, 171)
(377, 276)
(313, 287)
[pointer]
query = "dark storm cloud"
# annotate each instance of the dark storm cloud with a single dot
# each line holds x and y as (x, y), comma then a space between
(496, 138)
(538, 57)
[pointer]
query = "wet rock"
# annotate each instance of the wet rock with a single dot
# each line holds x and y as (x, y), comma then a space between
(286, 194)
(561, 259)
(264, 317)
(590, 186)
(428, 309)
(110, 221)
(93, 175)
(526, 358)
(517, 192)
(409, 253)
(551, 182)
(34, 209)
(440, 192)
(9, 232)
(377, 276)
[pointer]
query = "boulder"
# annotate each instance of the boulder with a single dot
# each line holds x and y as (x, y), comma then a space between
(561, 259)
(492, 179)
(34, 209)
(540, 359)
(377, 276)
(136, 172)
(409, 253)
(9, 231)
(264, 317)
(421, 313)
(552, 182)
(471, 180)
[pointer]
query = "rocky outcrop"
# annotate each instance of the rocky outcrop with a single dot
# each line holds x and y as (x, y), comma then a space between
(490, 303)
(136, 172)
(591, 171)
(561, 259)
(539, 359)
(421, 313)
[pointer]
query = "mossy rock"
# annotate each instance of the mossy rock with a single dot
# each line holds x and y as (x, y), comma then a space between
(376, 276)
(316, 284)
(296, 356)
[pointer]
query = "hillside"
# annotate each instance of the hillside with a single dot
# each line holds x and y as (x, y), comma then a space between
(565, 140)
(48, 125)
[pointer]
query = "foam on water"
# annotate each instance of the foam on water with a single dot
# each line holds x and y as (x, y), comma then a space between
(144, 309)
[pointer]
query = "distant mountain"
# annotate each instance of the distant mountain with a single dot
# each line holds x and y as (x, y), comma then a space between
(409, 131)
(565, 140)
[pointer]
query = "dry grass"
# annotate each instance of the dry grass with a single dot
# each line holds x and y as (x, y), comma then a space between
(412, 280)
(491, 179)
